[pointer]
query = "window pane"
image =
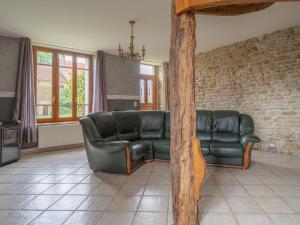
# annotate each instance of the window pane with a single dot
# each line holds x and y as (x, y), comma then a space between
(44, 58)
(82, 92)
(146, 69)
(65, 92)
(82, 63)
(44, 91)
(150, 91)
(65, 60)
(142, 91)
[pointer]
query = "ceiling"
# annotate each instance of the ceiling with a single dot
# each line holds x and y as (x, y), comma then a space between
(102, 24)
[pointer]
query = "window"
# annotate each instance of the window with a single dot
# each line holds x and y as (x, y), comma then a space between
(147, 87)
(63, 85)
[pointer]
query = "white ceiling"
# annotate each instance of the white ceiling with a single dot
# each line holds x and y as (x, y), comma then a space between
(102, 24)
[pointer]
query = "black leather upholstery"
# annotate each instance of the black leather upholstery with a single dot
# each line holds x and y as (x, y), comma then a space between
(162, 146)
(226, 149)
(204, 123)
(139, 150)
(246, 124)
(127, 125)
(225, 126)
(205, 147)
(151, 124)
(106, 125)
(167, 128)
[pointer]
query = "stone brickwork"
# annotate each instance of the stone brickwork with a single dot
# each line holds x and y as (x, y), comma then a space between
(260, 77)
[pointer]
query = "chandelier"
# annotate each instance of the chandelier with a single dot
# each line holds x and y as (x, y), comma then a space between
(132, 54)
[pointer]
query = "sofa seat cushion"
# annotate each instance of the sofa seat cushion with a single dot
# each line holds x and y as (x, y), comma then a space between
(205, 147)
(139, 150)
(162, 146)
(226, 149)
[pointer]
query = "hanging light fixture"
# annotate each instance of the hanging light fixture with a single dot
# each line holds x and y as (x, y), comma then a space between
(132, 54)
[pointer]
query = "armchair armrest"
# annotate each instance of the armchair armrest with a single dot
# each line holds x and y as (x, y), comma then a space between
(111, 147)
(244, 139)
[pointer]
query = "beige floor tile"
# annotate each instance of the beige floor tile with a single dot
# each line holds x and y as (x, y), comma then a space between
(137, 179)
(68, 202)
(259, 190)
(52, 218)
(117, 218)
(248, 179)
(131, 189)
(150, 218)
(154, 204)
(14, 201)
(285, 219)
(125, 203)
(294, 203)
(41, 202)
(211, 190)
(273, 205)
(213, 204)
(157, 190)
(217, 219)
(96, 203)
(225, 179)
(243, 205)
(107, 189)
(285, 190)
(83, 189)
(18, 217)
(84, 218)
(59, 189)
(229, 190)
(253, 219)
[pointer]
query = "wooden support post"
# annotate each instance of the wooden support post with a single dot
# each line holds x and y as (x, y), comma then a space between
(183, 117)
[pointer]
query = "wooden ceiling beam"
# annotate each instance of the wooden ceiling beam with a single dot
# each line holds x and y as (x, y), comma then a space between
(224, 7)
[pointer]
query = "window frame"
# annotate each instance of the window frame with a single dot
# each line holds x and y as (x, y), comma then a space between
(55, 82)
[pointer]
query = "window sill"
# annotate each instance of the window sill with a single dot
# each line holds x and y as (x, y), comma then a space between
(57, 123)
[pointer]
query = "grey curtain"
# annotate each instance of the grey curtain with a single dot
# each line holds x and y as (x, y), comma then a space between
(99, 84)
(24, 109)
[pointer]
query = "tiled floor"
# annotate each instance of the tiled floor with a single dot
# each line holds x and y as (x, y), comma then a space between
(58, 188)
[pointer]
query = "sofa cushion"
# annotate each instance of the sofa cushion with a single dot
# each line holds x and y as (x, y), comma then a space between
(225, 126)
(205, 147)
(162, 146)
(151, 124)
(106, 125)
(226, 149)
(139, 151)
(167, 128)
(127, 125)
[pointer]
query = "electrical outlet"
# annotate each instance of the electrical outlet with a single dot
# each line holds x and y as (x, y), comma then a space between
(272, 145)
(135, 104)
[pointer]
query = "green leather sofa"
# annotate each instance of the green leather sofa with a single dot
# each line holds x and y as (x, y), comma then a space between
(121, 141)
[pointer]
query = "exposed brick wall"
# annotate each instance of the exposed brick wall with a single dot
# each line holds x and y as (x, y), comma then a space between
(260, 77)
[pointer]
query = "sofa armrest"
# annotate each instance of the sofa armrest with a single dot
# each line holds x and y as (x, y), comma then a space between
(244, 139)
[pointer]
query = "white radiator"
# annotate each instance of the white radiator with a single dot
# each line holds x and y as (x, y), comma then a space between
(59, 135)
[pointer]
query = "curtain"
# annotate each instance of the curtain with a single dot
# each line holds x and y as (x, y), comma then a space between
(99, 89)
(24, 109)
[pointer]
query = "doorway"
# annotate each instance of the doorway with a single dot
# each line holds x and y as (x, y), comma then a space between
(148, 87)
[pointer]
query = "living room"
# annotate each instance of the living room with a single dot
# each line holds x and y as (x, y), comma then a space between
(150, 112)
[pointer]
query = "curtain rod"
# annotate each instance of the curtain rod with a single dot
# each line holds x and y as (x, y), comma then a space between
(62, 47)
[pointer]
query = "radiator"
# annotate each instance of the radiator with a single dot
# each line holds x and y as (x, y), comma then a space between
(54, 135)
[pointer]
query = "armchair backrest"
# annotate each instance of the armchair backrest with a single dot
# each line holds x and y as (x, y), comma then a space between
(127, 124)
(226, 126)
(204, 123)
(151, 124)
(106, 125)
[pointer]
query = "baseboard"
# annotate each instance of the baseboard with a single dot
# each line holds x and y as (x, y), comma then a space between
(49, 149)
